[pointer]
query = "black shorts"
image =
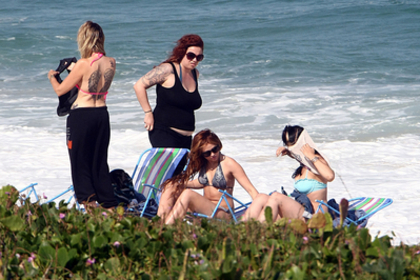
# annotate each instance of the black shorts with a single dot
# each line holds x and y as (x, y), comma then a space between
(163, 136)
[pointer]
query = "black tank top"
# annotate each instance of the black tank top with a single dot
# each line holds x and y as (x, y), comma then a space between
(175, 106)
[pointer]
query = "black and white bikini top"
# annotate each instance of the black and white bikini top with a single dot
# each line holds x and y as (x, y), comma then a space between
(219, 180)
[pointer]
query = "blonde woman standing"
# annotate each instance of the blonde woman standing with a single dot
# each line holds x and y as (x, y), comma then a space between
(88, 127)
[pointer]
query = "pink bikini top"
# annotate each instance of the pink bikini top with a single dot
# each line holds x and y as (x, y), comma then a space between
(94, 93)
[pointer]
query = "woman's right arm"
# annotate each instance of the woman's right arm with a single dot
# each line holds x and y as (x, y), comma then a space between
(157, 75)
(282, 151)
(74, 77)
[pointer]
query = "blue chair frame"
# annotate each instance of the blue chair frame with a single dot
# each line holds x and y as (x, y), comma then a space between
(236, 212)
(72, 196)
(32, 190)
(353, 203)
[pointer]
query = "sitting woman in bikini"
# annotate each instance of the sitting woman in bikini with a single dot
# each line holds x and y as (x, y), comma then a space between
(215, 171)
(311, 179)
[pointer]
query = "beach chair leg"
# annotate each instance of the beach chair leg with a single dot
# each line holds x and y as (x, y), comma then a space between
(32, 190)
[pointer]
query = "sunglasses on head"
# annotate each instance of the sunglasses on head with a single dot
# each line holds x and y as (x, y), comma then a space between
(191, 56)
(214, 150)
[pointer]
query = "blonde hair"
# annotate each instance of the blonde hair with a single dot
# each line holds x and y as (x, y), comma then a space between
(90, 39)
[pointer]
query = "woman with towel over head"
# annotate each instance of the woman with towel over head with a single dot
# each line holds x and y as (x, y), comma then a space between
(311, 179)
(88, 127)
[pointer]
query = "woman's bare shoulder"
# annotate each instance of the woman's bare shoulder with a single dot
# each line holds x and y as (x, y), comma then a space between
(229, 162)
(165, 67)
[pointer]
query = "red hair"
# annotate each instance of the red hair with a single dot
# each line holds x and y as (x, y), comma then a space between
(186, 41)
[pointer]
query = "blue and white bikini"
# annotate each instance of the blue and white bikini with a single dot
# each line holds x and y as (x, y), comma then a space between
(306, 186)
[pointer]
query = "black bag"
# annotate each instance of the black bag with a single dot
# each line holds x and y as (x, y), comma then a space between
(126, 195)
(66, 100)
(123, 187)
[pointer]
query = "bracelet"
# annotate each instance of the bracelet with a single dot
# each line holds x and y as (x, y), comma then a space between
(148, 111)
(315, 159)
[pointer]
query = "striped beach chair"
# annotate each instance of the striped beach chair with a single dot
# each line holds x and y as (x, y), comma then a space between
(368, 205)
(154, 167)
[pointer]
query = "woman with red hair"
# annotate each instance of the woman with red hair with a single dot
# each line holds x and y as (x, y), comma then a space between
(172, 122)
(215, 170)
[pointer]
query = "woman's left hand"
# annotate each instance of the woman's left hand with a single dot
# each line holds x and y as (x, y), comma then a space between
(308, 151)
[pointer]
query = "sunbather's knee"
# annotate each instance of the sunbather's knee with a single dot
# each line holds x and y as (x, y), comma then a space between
(186, 195)
(278, 197)
(261, 197)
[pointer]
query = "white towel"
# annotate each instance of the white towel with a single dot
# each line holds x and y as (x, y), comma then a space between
(295, 151)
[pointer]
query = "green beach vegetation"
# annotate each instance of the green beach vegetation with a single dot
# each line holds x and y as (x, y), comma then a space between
(50, 241)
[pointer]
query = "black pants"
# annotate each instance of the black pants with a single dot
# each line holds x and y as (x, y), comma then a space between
(88, 135)
(164, 137)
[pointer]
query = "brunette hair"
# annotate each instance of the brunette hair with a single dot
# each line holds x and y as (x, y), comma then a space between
(186, 41)
(90, 39)
(291, 134)
(195, 158)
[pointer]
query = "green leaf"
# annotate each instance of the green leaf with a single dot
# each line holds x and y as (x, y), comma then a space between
(13, 223)
(75, 239)
(62, 256)
(329, 223)
(99, 241)
(268, 212)
(72, 253)
(229, 264)
(115, 236)
(120, 210)
(299, 226)
(317, 221)
(372, 252)
(46, 252)
(187, 244)
(112, 265)
(295, 273)
(8, 195)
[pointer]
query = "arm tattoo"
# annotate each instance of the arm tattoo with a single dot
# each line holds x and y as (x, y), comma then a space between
(157, 76)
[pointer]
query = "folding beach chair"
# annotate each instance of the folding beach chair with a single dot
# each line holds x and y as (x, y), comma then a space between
(368, 205)
(30, 190)
(236, 213)
(154, 167)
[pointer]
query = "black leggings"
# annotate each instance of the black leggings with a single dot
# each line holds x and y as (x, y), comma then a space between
(88, 135)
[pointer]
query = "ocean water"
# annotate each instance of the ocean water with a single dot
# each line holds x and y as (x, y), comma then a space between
(347, 71)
